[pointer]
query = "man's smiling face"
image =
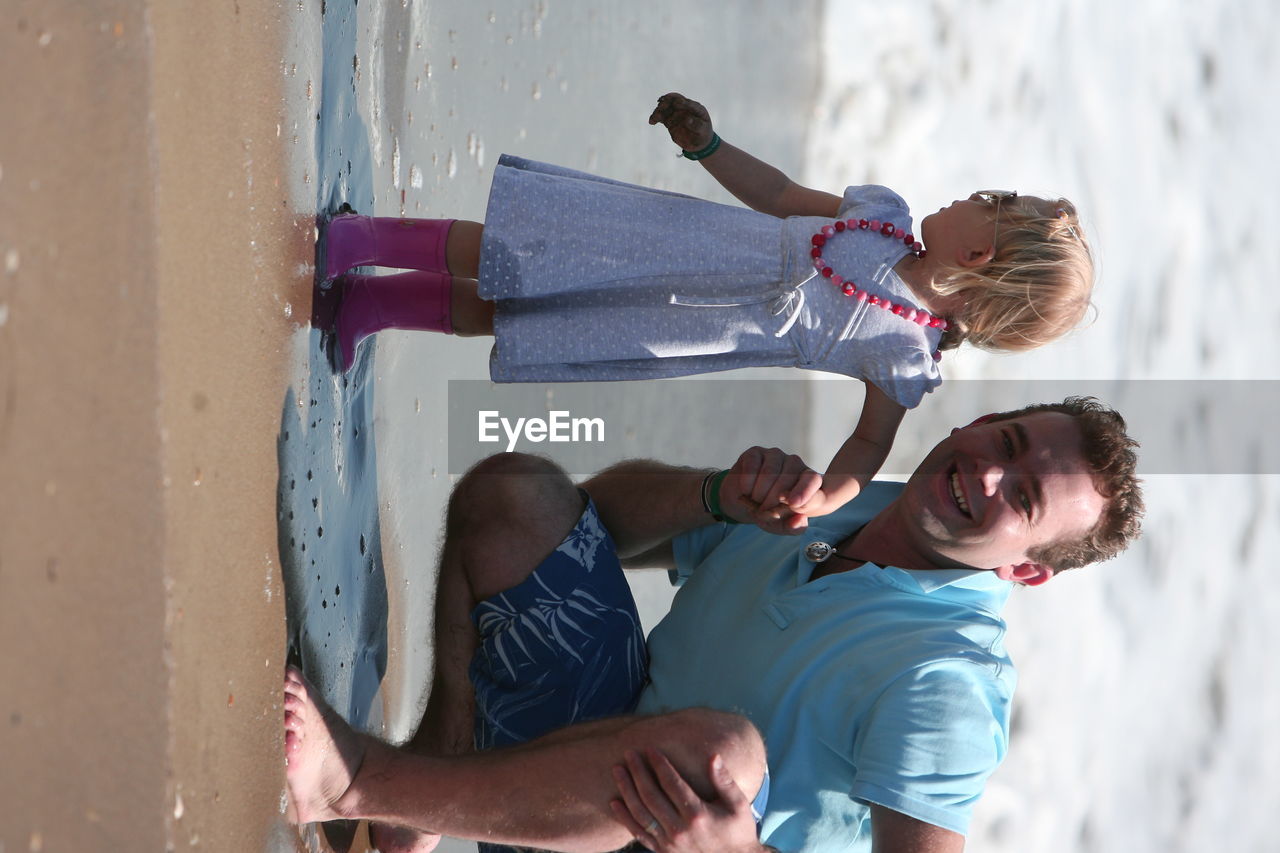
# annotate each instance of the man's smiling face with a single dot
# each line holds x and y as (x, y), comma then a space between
(992, 492)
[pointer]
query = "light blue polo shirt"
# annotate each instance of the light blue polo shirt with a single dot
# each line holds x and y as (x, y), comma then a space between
(870, 686)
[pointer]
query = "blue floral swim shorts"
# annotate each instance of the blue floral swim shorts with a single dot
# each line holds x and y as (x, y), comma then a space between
(565, 646)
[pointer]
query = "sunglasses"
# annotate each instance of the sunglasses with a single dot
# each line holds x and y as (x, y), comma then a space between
(996, 197)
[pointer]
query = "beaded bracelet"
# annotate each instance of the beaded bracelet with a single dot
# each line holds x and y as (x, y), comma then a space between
(711, 496)
(702, 153)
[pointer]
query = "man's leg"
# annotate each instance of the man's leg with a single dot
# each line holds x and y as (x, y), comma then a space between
(506, 517)
(552, 793)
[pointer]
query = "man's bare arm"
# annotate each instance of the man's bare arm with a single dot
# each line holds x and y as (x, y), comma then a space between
(651, 789)
(644, 504)
(894, 832)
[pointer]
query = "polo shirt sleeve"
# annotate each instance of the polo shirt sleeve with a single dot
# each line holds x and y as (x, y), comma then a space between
(933, 737)
(692, 547)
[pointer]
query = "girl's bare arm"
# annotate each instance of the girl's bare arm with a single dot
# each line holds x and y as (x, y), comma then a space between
(753, 182)
(861, 455)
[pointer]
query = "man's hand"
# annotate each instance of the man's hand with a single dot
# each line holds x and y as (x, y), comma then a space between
(667, 816)
(760, 481)
(687, 121)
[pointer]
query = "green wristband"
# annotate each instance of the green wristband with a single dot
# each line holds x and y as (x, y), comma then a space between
(703, 153)
(713, 498)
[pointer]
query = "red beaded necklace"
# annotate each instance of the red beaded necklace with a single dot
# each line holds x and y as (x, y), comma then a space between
(848, 288)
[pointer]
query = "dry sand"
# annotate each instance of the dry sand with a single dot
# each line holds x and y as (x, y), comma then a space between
(148, 259)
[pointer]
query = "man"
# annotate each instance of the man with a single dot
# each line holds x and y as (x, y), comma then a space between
(876, 676)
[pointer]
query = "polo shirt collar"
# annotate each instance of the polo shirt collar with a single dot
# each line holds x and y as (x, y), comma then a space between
(966, 578)
(981, 586)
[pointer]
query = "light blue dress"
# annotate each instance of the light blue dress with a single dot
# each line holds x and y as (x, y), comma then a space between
(597, 280)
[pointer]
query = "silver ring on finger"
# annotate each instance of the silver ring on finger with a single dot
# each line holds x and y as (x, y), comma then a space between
(652, 827)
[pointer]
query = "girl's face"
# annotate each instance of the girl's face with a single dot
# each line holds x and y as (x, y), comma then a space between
(964, 231)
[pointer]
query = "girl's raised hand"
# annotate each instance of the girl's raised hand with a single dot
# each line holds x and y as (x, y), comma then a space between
(687, 121)
(814, 503)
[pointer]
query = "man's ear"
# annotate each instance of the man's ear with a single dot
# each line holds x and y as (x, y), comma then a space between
(1027, 574)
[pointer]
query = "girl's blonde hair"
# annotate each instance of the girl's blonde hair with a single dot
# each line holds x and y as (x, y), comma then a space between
(1034, 290)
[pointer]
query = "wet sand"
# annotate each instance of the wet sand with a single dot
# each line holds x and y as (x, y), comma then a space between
(149, 264)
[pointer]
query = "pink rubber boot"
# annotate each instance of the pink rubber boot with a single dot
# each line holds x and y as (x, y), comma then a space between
(412, 300)
(352, 240)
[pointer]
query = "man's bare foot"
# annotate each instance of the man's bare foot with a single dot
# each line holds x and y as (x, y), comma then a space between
(400, 839)
(322, 753)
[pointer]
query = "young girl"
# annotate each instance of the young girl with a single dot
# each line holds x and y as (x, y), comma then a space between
(584, 278)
